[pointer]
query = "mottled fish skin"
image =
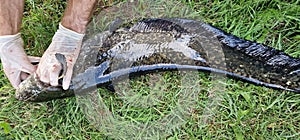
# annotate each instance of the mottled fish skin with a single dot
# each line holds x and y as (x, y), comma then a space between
(241, 59)
(33, 90)
(253, 62)
(259, 61)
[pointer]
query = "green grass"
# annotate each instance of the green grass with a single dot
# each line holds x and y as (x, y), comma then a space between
(242, 111)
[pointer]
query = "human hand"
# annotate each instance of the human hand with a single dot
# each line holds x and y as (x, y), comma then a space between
(16, 64)
(67, 43)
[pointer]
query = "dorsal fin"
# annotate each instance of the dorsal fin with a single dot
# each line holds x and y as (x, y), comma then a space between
(156, 25)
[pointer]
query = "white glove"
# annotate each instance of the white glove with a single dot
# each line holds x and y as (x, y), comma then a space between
(67, 43)
(16, 64)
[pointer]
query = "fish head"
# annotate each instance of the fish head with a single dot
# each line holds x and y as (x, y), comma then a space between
(33, 90)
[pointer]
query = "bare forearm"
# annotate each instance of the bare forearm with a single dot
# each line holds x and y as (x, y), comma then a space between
(77, 14)
(11, 13)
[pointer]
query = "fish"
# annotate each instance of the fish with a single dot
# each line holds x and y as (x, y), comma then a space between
(167, 44)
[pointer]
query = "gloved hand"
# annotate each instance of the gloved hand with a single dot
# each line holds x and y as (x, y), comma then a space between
(67, 43)
(16, 64)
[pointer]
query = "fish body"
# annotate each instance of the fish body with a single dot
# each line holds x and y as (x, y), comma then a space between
(153, 45)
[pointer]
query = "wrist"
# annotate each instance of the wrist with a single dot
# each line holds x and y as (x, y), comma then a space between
(78, 14)
(9, 43)
(69, 32)
(9, 30)
(9, 38)
(78, 27)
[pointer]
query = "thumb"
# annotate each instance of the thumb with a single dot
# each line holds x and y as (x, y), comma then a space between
(13, 76)
(68, 76)
(28, 68)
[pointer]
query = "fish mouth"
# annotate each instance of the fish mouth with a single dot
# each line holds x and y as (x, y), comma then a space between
(33, 90)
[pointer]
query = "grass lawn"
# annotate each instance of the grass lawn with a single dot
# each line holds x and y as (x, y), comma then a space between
(242, 111)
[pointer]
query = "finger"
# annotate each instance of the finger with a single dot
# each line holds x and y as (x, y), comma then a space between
(43, 75)
(36, 66)
(55, 70)
(68, 76)
(13, 77)
(34, 58)
(23, 64)
(15, 83)
(28, 68)
(24, 76)
(38, 72)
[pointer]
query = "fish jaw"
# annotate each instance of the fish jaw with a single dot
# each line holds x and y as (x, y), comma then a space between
(33, 90)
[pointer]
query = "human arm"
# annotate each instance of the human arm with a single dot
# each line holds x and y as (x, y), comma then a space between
(67, 41)
(11, 13)
(16, 65)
